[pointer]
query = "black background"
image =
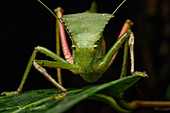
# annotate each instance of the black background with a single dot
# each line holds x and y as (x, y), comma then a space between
(27, 24)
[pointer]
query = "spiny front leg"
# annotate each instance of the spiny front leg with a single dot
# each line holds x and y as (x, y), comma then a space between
(47, 76)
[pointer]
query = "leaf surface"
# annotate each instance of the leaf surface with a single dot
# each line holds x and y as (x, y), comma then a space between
(44, 101)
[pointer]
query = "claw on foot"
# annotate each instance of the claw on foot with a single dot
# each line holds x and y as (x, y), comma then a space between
(9, 93)
(59, 96)
(143, 74)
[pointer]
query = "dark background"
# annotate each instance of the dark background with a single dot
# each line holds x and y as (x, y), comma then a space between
(27, 24)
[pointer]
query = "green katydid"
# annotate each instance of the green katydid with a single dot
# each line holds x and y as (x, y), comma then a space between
(88, 48)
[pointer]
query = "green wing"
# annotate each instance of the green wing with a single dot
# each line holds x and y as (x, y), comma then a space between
(86, 26)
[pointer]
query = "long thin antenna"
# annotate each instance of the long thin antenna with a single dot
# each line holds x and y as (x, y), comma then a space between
(55, 16)
(118, 7)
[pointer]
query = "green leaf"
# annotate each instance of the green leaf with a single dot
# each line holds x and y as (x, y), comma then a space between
(44, 101)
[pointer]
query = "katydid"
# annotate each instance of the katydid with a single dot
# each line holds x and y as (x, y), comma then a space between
(88, 48)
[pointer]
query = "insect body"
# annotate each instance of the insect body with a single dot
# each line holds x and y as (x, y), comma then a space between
(88, 45)
(88, 49)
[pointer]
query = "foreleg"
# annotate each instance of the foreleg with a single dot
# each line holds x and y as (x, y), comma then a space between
(46, 52)
(47, 76)
(103, 65)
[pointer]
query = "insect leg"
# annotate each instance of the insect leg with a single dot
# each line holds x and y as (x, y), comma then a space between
(56, 64)
(127, 26)
(24, 76)
(131, 46)
(58, 50)
(44, 51)
(47, 76)
(65, 48)
(103, 64)
(125, 60)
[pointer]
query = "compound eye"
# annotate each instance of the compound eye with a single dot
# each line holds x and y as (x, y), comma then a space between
(73, 47)
(95, 47)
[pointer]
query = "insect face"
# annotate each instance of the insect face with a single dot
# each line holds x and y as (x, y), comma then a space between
(87, 49)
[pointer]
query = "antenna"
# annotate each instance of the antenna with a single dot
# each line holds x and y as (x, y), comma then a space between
(59, 19)
(118, 7)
